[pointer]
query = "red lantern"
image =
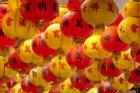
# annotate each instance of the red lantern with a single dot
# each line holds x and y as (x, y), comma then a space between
(77, 58)
(36, 10)
(72, 25)
(108, 68)
(47, 74)
(11, 82)
(111, 42)
(135, 76)
(74, 4)
(81, 82)
(41, 48)
(17, 64)
(136, 54)
(118, 20)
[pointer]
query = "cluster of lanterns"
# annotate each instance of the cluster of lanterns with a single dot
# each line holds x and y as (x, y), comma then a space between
(86, 46)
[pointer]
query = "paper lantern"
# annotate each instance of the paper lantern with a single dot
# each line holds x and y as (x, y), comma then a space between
(60, 68)
(80, 82)
(97, 12)
(131, 8)
(41, 48)
(39, 10)
(27, 55)
(108, 68)
(74, 4)
(66, 87)
(72, 25)
(55, 39)
(111, 41)
(14, 26)
(14, 4)
(94, 49)
(77, 58)
(17, 64)
(129, 31)
(92, 73)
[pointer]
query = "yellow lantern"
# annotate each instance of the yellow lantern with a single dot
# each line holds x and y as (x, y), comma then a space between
(14, 26)
(92, 73)
(60, 68)
(66, 87)
(94, 49)
(14, 4)
(27, 55)
(97, 12)
(132, 8)
(17, 89)
(55, 39)
(121, 84)
(36, 78)
(129, 30)
(62, 10)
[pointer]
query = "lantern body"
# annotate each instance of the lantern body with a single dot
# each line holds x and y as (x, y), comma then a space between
(111, 41)
(55, 39)
(60, 68)
(41, 48)
(131, 8)
(94, 49)
(27, 55)
(15, 27)
(74, 4)
(97, 12)
(129, 31)
(36, 10)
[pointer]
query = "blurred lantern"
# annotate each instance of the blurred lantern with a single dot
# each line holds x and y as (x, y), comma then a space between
(135, 53)
(121, 84)
(36, 10)
(60, 68)
(17, 64)
(14, 4)
(131, 8)
(27, 55)
(55, 39)
(74, 4)
(129, 30)
(134, 76)
(41, 48)
(62, 11)
(77, 58)
(110, 40)
(108, 68)
(92, 73)
(97, 12)
(66, 87)
(72, 25)
(14, 26)
(94, 49)
(80, 82)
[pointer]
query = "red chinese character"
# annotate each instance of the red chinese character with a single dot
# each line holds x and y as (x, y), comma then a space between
(94, 46)
(8, 21)
(95, 6)
(22, 22)
(56, 33)
(110, 7)
(28, 49)
(134, 28)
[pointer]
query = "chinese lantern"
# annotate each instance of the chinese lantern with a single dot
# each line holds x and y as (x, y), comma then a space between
(55, 39)
(41, 48)
(129, 31)
(80, 82)
(27, 55)
(134, 76)
(72, 25)
(111, 41)
(76, 57)
(17, 64)
(94, 49)
(66, 87)
(136, 54)
(121, 84)
(92, 73)
(36, 10)
(60, 68)
(74, 4)
(131, 8)
(97, 12)
(14, 4)
(14, 26)
(108, 68)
